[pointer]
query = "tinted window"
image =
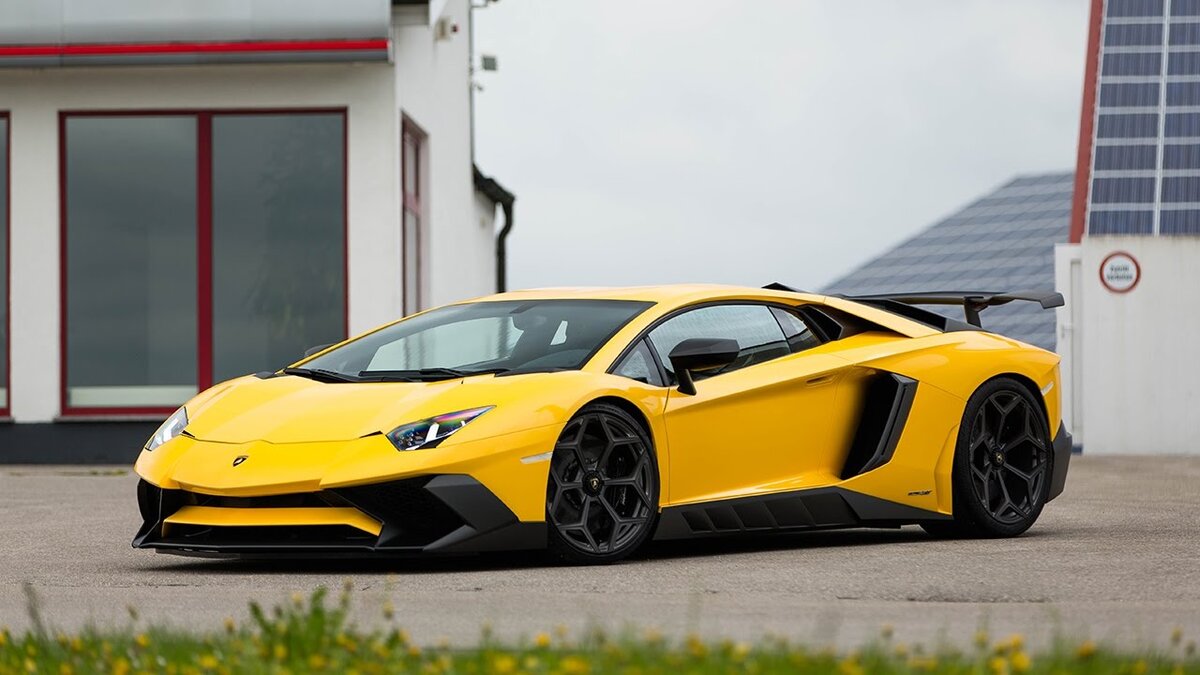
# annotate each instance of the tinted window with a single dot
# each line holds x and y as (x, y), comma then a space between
(278, 263)
(755, 329)
(131, 261)
(799, 336)
(639, 365)
(509, 335)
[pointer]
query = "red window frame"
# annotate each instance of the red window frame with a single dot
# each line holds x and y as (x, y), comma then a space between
(6, 409)
(204, 304)
(412, 140)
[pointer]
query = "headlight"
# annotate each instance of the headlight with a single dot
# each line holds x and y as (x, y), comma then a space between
(430, 432)
(169, 429)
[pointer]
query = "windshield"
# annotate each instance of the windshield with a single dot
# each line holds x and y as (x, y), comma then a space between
(481, 337)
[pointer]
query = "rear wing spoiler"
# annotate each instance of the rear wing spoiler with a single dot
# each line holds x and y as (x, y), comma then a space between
(972, 302)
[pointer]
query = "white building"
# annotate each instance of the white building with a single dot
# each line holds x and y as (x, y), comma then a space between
(1131, 271)
(195, 191)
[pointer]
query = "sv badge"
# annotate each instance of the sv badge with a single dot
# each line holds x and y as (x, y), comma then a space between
(239, 459)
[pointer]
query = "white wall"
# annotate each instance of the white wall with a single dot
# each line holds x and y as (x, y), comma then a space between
(34, 98)
(433, 87)
(1140, 386)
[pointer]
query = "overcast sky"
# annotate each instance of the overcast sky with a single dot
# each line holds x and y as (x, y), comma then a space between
(747, 142)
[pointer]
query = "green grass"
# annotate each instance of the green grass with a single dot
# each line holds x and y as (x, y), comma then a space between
(314, 635)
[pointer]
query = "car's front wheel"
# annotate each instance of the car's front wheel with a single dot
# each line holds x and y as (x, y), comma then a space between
(1002, 465)
(602, 494)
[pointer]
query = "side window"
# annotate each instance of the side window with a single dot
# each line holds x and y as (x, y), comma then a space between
(758, 334)
(639, 365)
(799, 335)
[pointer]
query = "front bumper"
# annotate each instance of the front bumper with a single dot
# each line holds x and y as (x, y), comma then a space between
(440, 514)
(1062, 459)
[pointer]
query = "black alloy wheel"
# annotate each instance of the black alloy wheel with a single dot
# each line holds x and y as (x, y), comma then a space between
(602, 494)
(1002, 464)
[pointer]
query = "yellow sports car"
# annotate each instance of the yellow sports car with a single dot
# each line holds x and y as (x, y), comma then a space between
(589, 421)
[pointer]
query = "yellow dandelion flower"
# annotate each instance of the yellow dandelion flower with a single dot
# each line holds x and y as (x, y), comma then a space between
(209, 662)
(298, 599)
(998, 665)
(142, 640)
(541, 640)
(574, 665)
(1016, 641)
(530, 663)
(741, 650)
(317, 662)
(696, 646)
(1086, 650)
(1176, 635)
(280, 652)
(503, 664)
(1021, 662)
(31, 666)
(65, 669)
(653, 637)
(380, 649)
(1140, 667)
(4, 638)
(230, 624)
(414, 651)
(76, 645)
(119, 667)
(849, 666)
(981, 639)
(389, 610)
(901, 649)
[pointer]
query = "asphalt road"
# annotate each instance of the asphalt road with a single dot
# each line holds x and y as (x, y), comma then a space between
(1116, 558)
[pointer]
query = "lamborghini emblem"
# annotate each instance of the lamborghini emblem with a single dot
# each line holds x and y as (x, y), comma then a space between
(239, 459)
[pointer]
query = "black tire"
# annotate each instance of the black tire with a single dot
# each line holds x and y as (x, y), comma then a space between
(602, 492)
(1002, 464)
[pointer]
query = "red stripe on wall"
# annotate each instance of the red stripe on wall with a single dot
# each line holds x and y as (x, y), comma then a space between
(204, 253)
(1087, 120)
(196, 48)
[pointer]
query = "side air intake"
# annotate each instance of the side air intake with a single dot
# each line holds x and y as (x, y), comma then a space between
(885, 409)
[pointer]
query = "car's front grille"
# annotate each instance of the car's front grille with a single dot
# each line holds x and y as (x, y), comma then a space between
(412, 516)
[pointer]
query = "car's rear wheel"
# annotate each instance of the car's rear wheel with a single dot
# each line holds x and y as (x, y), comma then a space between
(602, 494)
(1002, 464)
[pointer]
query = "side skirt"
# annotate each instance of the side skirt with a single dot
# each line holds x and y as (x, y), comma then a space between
(818, 508)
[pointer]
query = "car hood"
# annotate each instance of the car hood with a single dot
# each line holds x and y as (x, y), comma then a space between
(291, 409)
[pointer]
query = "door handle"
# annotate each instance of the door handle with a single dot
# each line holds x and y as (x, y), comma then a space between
(819, 380)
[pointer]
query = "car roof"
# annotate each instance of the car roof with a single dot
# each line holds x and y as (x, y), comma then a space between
(669, 293)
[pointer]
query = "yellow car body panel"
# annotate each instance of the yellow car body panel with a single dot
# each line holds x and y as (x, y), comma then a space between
(781, 426)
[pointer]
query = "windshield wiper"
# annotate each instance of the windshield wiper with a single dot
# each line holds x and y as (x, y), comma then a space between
(423, 374)
(320, 374)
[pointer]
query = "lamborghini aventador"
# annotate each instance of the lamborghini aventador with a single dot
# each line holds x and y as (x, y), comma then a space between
(590, 421)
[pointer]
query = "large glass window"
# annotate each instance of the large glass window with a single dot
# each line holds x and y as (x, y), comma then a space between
(277, 236)
(131, 261)
(3, 263)
(754, 327)
(199, 247)
(509, 336)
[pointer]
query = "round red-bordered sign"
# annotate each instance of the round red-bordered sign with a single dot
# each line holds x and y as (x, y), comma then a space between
(1120, 272)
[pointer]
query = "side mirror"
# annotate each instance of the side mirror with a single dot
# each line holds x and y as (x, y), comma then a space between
(319, 348)
(696, 355)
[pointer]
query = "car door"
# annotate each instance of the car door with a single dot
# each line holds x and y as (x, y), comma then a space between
(762, 424)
